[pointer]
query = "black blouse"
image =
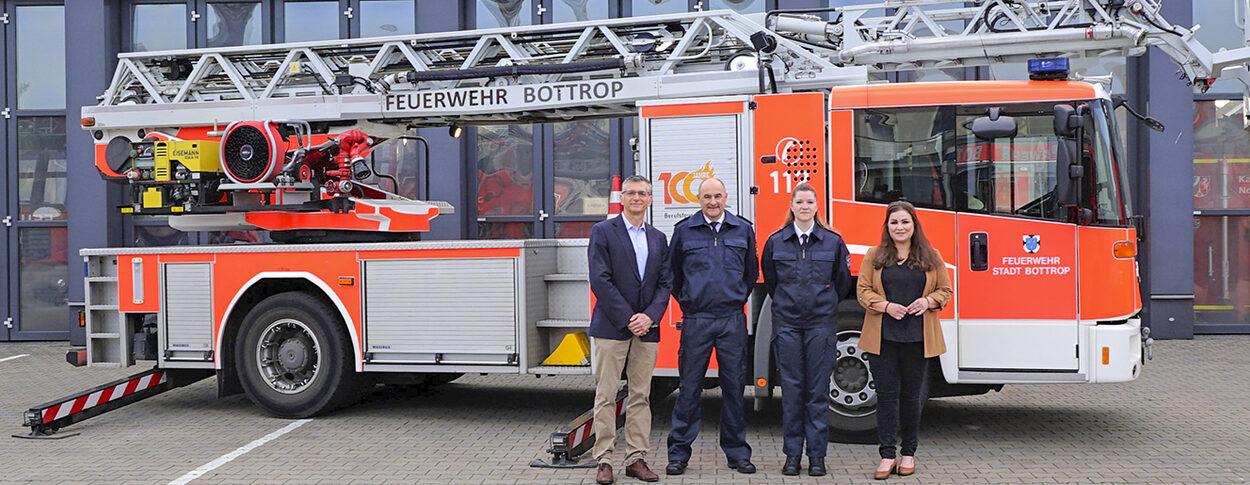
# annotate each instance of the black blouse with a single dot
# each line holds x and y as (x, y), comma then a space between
(902, 285)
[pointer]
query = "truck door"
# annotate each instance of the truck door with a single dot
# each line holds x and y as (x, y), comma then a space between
(1016, 256)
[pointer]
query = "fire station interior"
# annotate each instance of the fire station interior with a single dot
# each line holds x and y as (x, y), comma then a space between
(1189, 189)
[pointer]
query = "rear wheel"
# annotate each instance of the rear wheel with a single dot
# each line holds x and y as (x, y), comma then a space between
(294, 357)
(852, 393)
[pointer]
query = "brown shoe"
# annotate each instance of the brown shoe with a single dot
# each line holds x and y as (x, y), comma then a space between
(886, 467)
(904, 470)
(604, 476)
(639, 470)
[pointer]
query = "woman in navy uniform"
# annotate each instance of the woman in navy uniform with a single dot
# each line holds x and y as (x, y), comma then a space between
(806, 270)
(902, 286)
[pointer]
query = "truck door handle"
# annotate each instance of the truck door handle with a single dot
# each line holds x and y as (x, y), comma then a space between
(979, 251)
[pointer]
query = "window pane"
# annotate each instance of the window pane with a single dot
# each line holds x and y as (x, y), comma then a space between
(41, 58)
(305, 21)
(235, 23)
(654, 7)
(398, 158)
(41, 168)
(573, 229)
(899, 154)
(505, 230)
(582, 167)
(1219, 31)
(742, 6)
(1221, 156)
(150, 236)
(1222, 269)
(505, 170)
(503, 13)
(386, 17)
(159, 27)
(43, 279)
(575, 10)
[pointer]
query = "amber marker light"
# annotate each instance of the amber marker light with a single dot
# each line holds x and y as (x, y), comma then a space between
(88, 121)
(1106, 355)
(347, 281)
(1124, 249)
(762, 382)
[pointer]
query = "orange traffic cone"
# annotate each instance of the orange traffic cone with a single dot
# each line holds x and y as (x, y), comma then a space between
(614, 198)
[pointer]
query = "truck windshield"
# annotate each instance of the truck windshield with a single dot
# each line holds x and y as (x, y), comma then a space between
(929, 156)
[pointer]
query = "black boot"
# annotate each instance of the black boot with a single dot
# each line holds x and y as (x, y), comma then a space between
(792, 466)
(815, 466)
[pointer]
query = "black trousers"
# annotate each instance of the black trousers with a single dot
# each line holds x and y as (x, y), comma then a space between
(899, 373)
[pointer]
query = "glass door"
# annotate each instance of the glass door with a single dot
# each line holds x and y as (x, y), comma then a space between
(37, 272)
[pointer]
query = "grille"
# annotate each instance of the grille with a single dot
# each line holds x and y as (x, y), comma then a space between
(239, 139)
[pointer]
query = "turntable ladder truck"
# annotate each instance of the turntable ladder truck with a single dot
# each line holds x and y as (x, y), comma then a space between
(277, 138)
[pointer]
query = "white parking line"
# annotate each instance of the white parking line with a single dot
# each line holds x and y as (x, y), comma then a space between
(15, 357)
(223, 459)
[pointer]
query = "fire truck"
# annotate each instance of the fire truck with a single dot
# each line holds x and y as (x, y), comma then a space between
(1022, 185)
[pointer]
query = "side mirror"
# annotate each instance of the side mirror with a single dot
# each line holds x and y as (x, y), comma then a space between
(994, 125)
(1067, 121)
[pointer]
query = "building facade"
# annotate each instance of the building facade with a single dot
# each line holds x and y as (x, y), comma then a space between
(544, 180)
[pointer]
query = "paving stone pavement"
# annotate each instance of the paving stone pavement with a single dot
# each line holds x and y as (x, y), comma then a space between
(1186, 420)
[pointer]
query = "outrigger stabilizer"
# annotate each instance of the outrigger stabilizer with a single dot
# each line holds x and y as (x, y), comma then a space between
(573, 440)
(46, 419)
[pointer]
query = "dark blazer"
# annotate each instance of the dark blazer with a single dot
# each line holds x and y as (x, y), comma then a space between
(806, 282)
(713, 273)
(619, 294)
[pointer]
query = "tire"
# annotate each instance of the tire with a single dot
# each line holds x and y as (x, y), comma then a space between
(294, 357)
(662, 387)
(852, 395)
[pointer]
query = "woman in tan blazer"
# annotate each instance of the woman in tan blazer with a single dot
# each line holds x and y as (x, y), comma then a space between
(902, 286)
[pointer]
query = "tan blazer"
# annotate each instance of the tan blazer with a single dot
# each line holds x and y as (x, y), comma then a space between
(937, 285)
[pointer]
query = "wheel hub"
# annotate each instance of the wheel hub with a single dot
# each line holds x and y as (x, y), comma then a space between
(293, 354)
(288, 356)
(852, 391)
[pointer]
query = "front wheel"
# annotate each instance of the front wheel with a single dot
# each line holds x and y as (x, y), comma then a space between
(294, 356)
(852, 393)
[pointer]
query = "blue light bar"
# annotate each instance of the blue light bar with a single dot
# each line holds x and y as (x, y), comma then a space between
(1048, 69)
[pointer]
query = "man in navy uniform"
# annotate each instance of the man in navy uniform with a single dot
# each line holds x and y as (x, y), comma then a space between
(714, 268)
(630, 279)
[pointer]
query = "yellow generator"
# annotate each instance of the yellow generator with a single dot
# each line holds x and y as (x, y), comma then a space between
(169, 176)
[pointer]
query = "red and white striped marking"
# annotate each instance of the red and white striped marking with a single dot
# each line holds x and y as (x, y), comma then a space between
(614, 198)
(102, 396)
(587, 429)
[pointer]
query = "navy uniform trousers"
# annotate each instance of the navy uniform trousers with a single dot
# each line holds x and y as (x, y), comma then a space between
(728, 335)
(805, 360)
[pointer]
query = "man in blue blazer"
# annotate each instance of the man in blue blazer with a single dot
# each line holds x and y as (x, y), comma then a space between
(630, 279)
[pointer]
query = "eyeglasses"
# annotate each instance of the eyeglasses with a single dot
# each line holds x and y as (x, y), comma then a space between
(636, 193)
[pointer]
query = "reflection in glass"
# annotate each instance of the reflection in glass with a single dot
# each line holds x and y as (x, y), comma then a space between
(40, 57)
(573, 229)
(153, 236)
(582, 167)
(237, 237)
(576, 10)
(1221, 156)
(159, 27)
(398, 158)
(43, 279)
(41, 168)
(503, 13)
(1222, 269)
(505, 170)
(235, 23)
(653, 7)
(742, 6)
(387, 17)
(505, 230)
(305, 21)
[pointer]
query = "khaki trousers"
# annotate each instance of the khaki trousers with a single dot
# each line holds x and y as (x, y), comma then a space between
(638, 360)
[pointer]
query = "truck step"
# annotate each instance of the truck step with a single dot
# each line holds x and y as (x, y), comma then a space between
(563, 323)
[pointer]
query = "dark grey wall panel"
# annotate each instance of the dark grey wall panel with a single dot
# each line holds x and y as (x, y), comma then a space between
(1169, 195)
(93, 34)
